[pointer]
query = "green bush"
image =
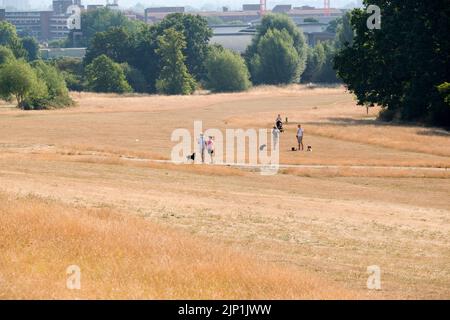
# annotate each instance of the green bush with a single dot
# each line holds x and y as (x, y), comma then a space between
(174, 77)
(19, 80)
(6, 55)
(226, 71)
(276, 61)
(57, 92)
(9, 38)
(31, 46)
(278, 52)
(72, 69)
(104, 75)
(135, 78)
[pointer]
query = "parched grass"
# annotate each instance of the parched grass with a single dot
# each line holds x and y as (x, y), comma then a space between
(127, 257)
(333, 172)
(405, 138)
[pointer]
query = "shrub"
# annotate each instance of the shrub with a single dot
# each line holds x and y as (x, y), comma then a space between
(226, 71)
(6, 55)
(19, 80)
(174, 77)
(104, 75)
(57, 92)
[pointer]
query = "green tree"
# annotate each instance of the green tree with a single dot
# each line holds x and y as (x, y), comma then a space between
(9, 38)
(196, 34)
(116, 43)
(278, 25)
(326, 73)
(400, 66)
(19, 80)
(100, 20)
(226, 71)
(333, 25)
(143, 56)
(276, 60)
(344, 31)
(314, 63)
(31, 46)
(174, 77)
(72, 69)
(135, 78)
(6, 55)
(104, 75)
(58, 94)
(310, 20)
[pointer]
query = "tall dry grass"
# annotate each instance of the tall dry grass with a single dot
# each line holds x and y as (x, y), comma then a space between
(126, 257)
(405, 138)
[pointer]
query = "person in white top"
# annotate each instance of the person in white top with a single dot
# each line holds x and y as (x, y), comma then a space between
(202, 146)
(275, 137)
(300, 133)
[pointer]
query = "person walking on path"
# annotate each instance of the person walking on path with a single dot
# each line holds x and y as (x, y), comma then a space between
(210, 147)
(300, 134)
(202, 146)
(275, 137)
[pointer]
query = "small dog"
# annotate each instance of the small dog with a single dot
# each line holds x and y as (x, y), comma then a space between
(309, 149)
(261, 148)
(191, 157)
(294, 149)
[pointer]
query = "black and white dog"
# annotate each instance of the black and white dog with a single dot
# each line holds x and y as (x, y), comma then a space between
(191, 157)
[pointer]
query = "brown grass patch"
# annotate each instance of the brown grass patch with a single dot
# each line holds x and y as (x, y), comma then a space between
(415, 139)
(121, 256)
(332, 172)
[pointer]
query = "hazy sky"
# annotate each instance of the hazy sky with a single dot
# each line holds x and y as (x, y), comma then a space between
(234, 4)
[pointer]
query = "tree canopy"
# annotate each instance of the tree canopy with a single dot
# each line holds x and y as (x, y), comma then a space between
(105, 75)
(174, 77)
(278, 52)
(400, 66)
(226, 71)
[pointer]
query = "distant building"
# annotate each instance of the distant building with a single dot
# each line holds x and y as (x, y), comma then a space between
(251, 7)
(156, 14)
(250, 13)
(43, 25)
(282, 8)
(60, 6)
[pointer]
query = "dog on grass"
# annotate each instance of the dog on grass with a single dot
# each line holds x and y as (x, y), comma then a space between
(191, 157)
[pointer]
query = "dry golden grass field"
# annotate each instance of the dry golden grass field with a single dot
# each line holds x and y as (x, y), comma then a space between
(77, 188)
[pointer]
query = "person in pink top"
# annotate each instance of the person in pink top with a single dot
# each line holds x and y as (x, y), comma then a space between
(210, 147)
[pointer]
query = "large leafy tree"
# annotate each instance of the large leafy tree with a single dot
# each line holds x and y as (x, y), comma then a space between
(105, 75)
(276, 60)
(226, 71)
(196, 34)
(344, 31)
(401, 65)
(314, 63)
(292, 37)
(143, 56)
(116, 43)
(19, 80)
(100, 20)
(6, 55)
(9, 38)
(31, 46)
(174, 77)
(54, 80)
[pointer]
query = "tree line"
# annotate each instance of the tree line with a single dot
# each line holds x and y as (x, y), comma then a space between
(32, 83)
(403, 67)
(175, 57)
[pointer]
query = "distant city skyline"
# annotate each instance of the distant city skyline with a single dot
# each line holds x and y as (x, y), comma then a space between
(199, 4)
